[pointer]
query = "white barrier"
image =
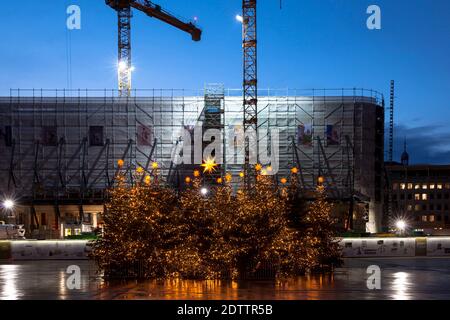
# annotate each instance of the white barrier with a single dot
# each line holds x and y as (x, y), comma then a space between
(438, 247)
(378, 247)
(49, 250)
(351, 248)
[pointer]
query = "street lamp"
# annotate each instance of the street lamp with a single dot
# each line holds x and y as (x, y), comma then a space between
(204, 191)
(401, 225)
(8, 204)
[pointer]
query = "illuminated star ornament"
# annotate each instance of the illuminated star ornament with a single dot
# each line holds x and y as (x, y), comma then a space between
(209, 165)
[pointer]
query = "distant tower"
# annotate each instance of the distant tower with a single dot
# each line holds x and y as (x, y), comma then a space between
(405, 156)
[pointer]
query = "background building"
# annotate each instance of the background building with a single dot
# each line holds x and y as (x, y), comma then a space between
(420, 195)
(59, 149)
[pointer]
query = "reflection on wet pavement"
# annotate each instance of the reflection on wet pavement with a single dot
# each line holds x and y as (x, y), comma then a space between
(401, 278)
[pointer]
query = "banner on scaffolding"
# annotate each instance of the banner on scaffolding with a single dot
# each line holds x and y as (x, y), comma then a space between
(96, 135)
(49, 136)
(332, 134)
(305, 135)
(144, 135)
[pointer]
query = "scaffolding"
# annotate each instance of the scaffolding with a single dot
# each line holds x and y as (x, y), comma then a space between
(63, 146)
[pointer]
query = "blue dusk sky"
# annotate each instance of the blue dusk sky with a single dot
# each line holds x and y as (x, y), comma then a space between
(306, 44)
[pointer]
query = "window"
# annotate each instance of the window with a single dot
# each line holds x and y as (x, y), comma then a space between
(431, 206)
(402, 196)
(432, 196)
(417, 186)
(439, 218)
(410, 196)
(8, 136)
(431, 218)
(432, 186)
(410, 186)
(439, 185)
(439, 196)
(394, 197)
(424, 218)
(417, 207)
(424, 186)
(417, 196)
(446, 218)
(424, 207)
(424, 196)
(402, 186)
(439, 207)
(446, 196)
(447, 186)
(395, 186)
(87, 217)
(67, 232)
(96, 136)
(409, 208)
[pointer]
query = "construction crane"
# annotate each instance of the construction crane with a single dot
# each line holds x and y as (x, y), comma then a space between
(250, 79)
(124, 14)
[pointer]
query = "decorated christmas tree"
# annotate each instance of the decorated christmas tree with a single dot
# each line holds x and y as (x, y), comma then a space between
(320, 228)
(211, 231)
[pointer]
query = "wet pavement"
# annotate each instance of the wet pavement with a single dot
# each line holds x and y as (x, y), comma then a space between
(401, 278)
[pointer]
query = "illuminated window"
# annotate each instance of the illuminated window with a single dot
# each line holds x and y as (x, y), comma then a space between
(424, 196)
(410, 186)
(417, 207)
(67, 232)
(417, 196)
(424, 218)
(395, 186)
(447, 186)
(409, 208)
(439, 185)
(432, 186)
(424, 186)
(417, 186)
(402, 186)
(431, 218)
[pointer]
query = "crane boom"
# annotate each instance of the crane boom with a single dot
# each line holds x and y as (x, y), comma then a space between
(124, 14)
(155, 11)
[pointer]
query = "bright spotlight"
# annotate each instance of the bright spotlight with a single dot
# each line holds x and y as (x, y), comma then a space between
(401, 225)
(239, 18)
(122, 66)
(8, 204)
(204, 191)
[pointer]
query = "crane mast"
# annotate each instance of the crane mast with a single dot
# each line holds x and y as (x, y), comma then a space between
(250, 82)
(124, 15)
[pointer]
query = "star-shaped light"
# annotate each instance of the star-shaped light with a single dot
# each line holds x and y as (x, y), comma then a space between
(209, 165)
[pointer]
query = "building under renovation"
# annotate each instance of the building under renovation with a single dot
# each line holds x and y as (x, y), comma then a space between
(60, 149)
